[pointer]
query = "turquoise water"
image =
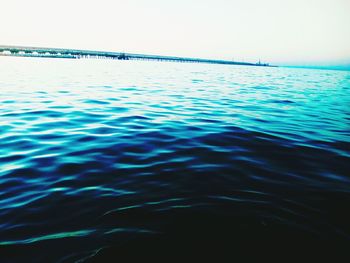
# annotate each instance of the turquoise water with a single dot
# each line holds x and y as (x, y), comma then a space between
(100, 155)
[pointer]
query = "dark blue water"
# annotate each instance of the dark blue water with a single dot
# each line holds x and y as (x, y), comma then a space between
(125, 159)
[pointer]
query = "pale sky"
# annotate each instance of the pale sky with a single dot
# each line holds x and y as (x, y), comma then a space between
(276, 31)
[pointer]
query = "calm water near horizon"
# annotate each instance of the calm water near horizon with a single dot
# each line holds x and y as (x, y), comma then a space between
(104, 158)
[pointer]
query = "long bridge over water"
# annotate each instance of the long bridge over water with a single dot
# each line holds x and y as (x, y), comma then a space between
(21, 51)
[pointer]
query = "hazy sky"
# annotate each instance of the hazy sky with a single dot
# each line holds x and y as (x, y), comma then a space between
(277, 31)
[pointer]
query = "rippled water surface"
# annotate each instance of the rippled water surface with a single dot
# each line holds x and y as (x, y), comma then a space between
(102, 158)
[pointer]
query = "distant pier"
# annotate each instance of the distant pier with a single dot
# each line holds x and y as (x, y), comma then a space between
(20, 51)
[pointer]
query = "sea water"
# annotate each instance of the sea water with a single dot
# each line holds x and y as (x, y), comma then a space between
(101, 154)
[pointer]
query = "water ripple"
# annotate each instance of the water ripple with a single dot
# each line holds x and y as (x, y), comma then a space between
(111, 151)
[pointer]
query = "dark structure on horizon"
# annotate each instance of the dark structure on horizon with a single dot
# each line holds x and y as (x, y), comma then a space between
(20, 51)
